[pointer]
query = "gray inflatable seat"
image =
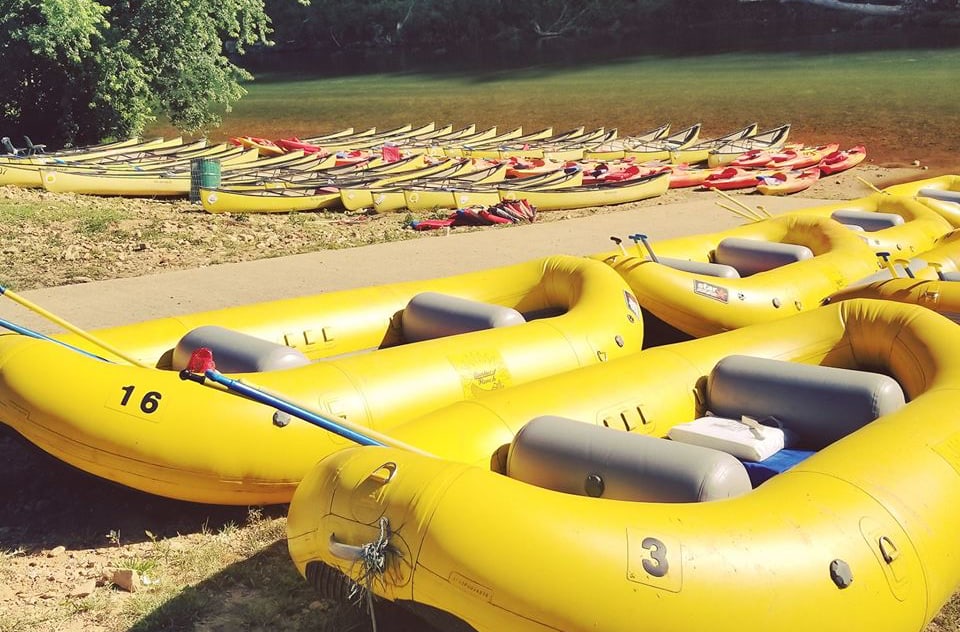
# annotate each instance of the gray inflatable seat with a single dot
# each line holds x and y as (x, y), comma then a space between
(236, 352)
(750, 256)
(579, 458)
(868, 221)
(939, 194)
(431, 315)
(815, 405)
(704, 268)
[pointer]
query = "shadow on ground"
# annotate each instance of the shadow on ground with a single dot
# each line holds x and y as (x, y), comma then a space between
(45, 503)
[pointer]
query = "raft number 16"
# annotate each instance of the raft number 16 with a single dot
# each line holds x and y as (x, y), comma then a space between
(148, 404)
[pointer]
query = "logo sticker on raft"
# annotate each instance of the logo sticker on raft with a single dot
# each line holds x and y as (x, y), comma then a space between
(709, 290)
(480, 372)
(632, 304)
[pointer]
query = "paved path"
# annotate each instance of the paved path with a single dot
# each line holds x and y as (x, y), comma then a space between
(120, 301)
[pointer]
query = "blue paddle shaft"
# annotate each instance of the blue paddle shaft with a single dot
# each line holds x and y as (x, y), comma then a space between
(24, 331)
(290, 408)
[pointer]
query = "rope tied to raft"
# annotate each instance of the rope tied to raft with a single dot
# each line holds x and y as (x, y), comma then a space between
(373, 563)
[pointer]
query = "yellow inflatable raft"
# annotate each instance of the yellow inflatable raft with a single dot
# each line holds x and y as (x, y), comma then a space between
(941, 194)
(931, 279)
(705, 284)
(575, 531)
(374, 356)
(888, 223)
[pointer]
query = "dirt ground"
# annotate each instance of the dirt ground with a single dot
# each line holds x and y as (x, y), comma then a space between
(63, 533)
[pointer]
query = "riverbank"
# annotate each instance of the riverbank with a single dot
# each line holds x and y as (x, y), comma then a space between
(66, 239)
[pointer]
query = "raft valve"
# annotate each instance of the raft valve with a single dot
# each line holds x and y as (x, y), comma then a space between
(841, 574)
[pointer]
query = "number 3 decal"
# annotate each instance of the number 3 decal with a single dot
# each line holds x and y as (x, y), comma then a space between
(654, 561)
(656, 564)
(148, 403)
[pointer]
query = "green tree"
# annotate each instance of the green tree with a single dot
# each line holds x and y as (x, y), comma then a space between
(78, 71)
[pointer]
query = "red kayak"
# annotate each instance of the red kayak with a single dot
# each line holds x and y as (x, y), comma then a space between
(753, 159)
(842, 160)
(265, 146)
(683, 176)
(621, 173)
(293, 144)
(733, 178)
(801, 158)
(787, 182)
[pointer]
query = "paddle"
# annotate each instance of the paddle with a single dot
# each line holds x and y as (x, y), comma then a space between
(619, 243)
(938, 267)
(760, 214)
(202, 368)
(870, 185)
(13, 296)
(906, 267)
(20, 329)
(638, 238)
(888, 264)
(725, 207)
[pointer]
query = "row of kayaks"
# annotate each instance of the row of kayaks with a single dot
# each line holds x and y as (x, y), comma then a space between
(683, 146)
(518, 420)
(385, 177)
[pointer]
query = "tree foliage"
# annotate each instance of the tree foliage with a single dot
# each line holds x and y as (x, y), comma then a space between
(83, 70)
(459, 23)
(445, 23)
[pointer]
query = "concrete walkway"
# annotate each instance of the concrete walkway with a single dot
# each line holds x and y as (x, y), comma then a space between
(120, 301)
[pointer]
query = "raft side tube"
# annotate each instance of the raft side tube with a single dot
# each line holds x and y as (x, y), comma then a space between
(236, 352)
(750, 256)
(431, 315)
(815, 405)
(578, 458)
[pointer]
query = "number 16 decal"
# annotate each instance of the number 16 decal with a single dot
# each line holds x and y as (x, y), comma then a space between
(132, 400)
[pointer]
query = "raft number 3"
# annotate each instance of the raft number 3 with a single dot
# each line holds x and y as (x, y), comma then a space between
(148, 403)
(656, 564)
(654, 561)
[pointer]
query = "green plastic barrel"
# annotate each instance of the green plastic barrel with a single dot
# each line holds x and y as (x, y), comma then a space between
(204, 172)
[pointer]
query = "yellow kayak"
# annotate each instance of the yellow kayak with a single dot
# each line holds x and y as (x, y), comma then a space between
(25, 172)
(614, 148)
(700, 151)
(727, 152)
(149, 183)
(585, 196)
(661, 148)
